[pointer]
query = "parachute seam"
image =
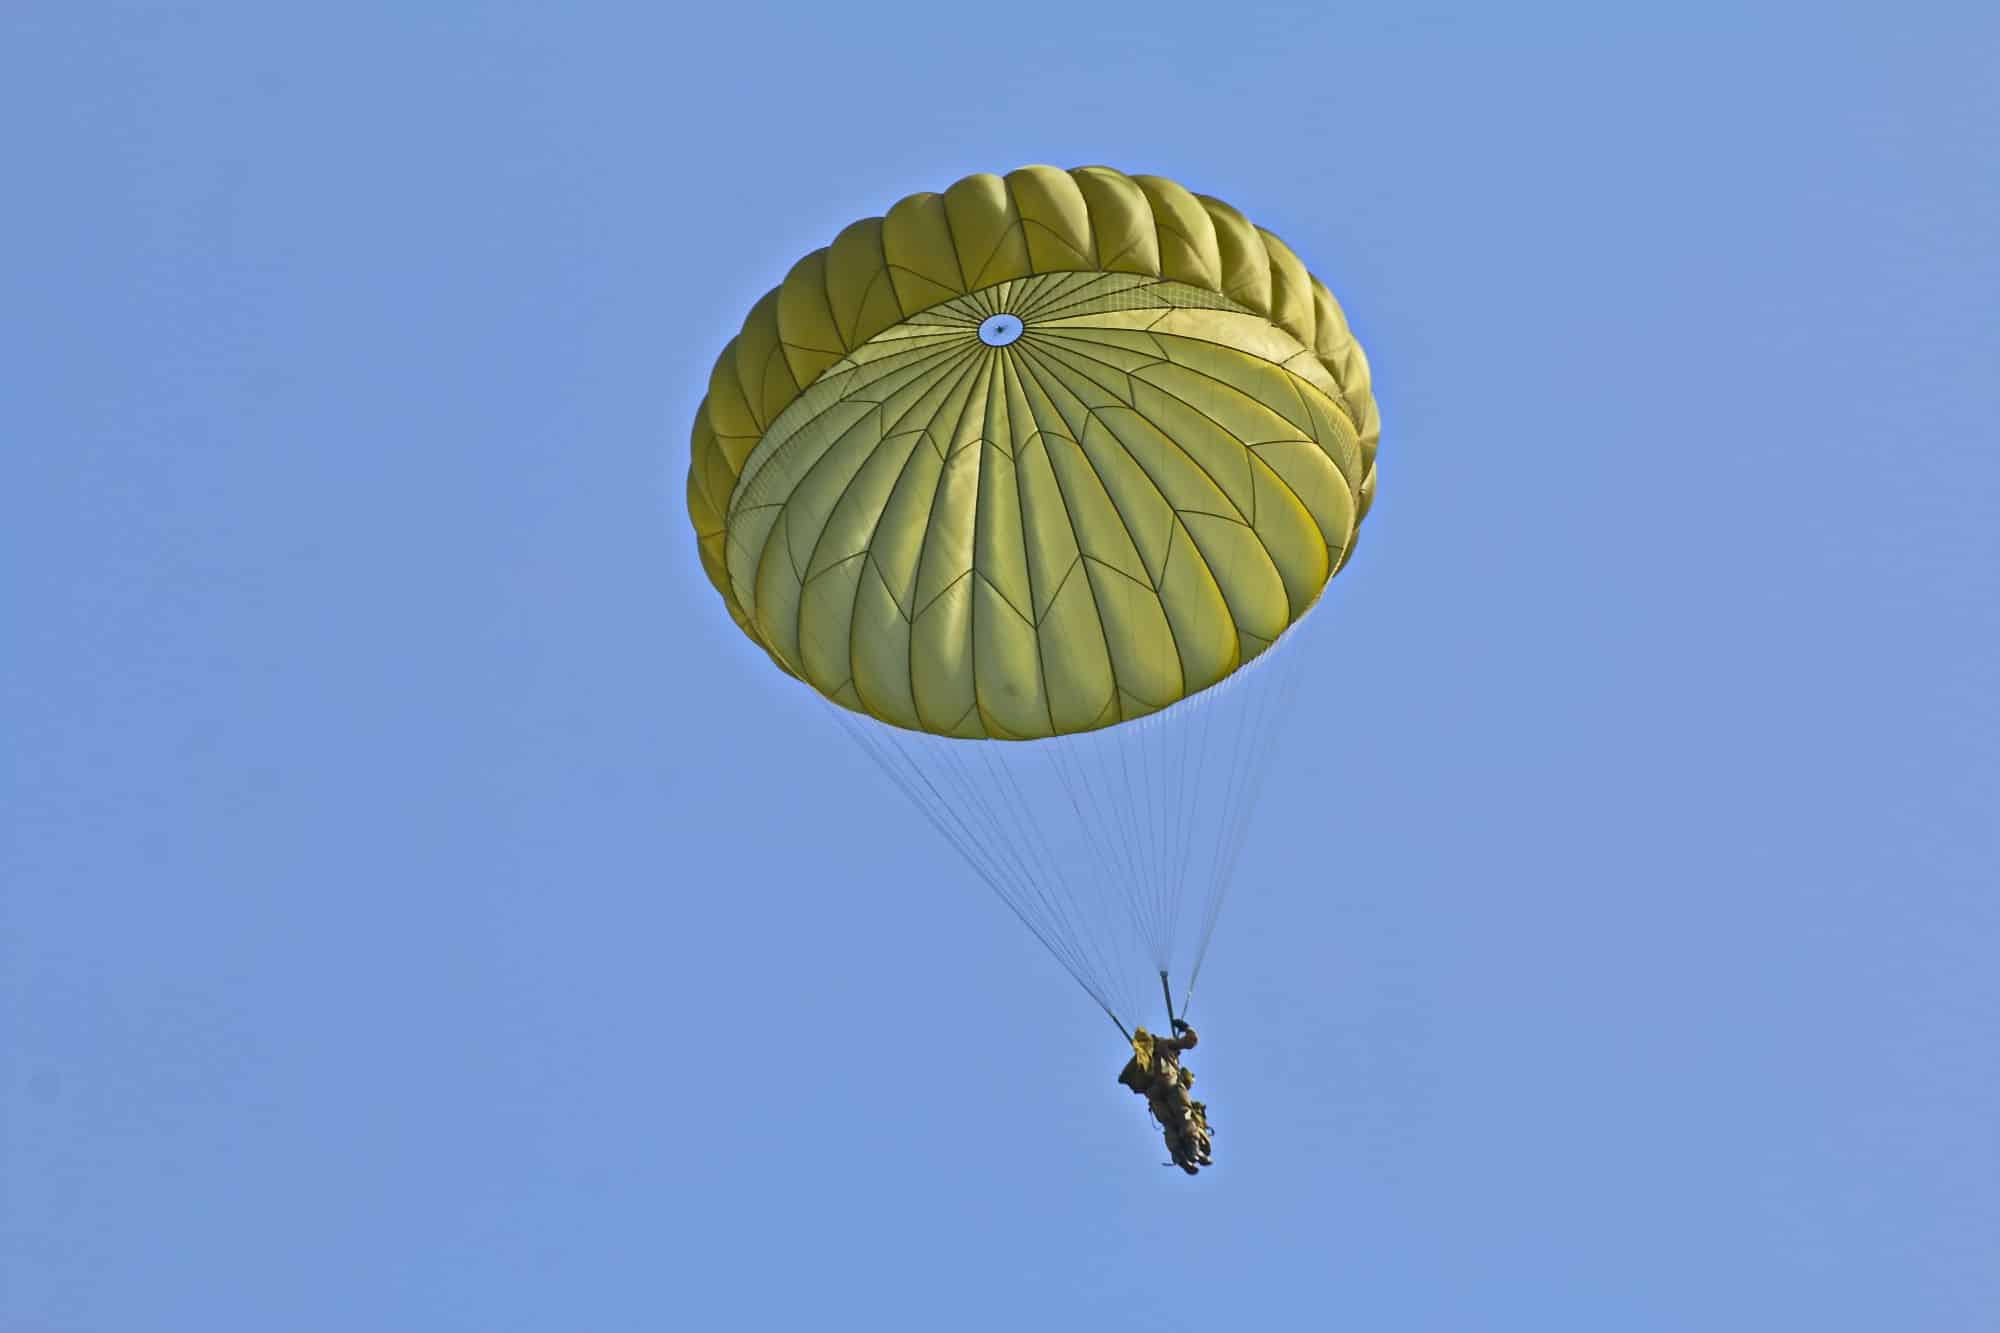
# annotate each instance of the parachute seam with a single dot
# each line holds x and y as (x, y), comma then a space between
(748, 503)
(1061, 583)
(999, 592)
(1002, 363)
(1077, 331)
(882, 248)
(1069, 178)
(1101, 174)
(1014, 228)
(891, 366)
(1127, 283)
(988, 362)
(1248, 520)
(775, 356)
(1021, 521)
(1053, 235)
(832, 314)
(1210, 205)
(788, 344)
(1031, 376)
(1168, 224)
(1247, 447)
(698, 461)
(1281, 280)
(1091, 414)
(883, 434)
(1077, 177)
(923, 552)
(887, 282)
(1047, 313)
(874, 529)
(951, 239)
(1250, 264)
(1250, 523)
(1058, 287)
(830, 567)
(736, 369)
(1110, 568)
(1180, 662)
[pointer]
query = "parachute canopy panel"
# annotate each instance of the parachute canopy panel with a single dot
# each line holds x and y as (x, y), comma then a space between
(1035, 456)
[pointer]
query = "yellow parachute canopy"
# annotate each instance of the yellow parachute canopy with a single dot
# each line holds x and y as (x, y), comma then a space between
(1037, 455)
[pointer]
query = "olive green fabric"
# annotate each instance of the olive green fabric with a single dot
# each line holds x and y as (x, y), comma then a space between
(1138, 1071)
(1138, 1075)
(1105, 515)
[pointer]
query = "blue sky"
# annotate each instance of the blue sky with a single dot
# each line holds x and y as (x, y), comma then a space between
(401, 926)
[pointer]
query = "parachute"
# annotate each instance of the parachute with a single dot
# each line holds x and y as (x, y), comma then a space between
(1027, 478)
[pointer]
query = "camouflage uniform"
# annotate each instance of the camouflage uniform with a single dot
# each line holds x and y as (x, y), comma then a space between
(1155, 1071)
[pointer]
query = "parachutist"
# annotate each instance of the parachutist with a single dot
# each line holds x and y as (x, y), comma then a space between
(883, 490)
(1156, 1073)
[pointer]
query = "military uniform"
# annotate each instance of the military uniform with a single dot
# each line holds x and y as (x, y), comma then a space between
(1155, 1072)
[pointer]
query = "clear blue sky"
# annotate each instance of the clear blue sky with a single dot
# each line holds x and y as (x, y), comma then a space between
(399, 925)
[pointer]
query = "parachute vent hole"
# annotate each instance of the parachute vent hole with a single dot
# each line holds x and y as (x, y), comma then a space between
(999, 330)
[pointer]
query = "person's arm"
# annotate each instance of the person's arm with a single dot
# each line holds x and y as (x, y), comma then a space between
(1185, 1038)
